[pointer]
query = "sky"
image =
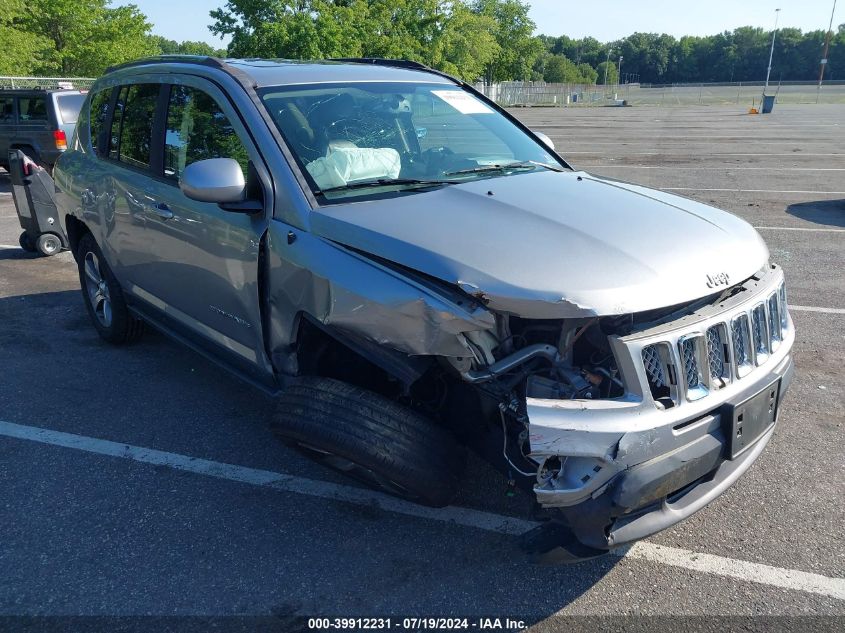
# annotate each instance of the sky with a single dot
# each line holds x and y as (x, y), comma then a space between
(606, 20)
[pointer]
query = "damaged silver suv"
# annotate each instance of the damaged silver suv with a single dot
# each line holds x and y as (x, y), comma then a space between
(412, 271)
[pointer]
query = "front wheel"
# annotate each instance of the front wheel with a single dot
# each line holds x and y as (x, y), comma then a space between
(104, 297)
(370, 438)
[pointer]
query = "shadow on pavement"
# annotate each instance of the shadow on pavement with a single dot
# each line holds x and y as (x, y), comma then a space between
(829, 212)
(218, 545)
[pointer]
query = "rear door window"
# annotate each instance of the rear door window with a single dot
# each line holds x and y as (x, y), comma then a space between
(32, 109)
(7, 109)
(132, 130)
(197, 129)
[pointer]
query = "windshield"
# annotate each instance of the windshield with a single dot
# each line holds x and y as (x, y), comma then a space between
(365, 139)
(69, 107)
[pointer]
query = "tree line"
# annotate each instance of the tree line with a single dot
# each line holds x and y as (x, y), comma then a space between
(491, 40)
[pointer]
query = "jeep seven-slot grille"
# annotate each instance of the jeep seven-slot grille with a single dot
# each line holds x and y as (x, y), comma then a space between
(727, 351)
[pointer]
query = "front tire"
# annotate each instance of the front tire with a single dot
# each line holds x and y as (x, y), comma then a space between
(370, 438)
(103, 296)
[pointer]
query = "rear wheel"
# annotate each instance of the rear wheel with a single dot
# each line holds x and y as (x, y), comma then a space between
(103, 296)
(370, 438)
(26, 243)
(48, 244)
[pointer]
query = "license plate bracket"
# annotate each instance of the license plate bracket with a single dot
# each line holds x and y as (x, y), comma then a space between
(744, 423)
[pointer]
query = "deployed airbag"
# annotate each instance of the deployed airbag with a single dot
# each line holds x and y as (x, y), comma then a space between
(347, 164)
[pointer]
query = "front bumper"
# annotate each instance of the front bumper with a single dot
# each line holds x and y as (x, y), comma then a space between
(616, 471)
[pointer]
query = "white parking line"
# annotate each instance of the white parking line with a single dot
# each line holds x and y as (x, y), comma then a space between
(804, 191)
(709, 154)
(705, 563)
(797, 228)
(711, 168)
(817, 309)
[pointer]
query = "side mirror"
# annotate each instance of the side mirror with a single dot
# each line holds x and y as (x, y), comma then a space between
(219, 180)
(546, 140)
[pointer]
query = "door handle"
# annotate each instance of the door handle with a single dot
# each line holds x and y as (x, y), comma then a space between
(162, 210)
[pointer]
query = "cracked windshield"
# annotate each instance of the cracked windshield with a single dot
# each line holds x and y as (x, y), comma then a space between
(369, 139)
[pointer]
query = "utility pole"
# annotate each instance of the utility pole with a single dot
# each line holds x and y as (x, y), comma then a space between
(823, 63)
(771, 53)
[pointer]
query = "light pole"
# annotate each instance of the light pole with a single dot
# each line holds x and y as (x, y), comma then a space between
(824, 55)
(771, 52)
(606, 64)
(619, 72)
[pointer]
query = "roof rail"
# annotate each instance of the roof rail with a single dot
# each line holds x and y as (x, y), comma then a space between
(204, 60)
(380, 61)
(396, 63)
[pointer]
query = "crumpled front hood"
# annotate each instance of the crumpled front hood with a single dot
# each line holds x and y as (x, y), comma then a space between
(555, 245)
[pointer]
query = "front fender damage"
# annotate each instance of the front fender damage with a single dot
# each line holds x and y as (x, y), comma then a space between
(343, 289)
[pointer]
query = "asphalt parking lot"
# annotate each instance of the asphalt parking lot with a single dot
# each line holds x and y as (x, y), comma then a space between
(144, 481)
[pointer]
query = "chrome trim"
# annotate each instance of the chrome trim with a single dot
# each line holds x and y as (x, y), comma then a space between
(760, 333)
(718, 356)
(784, 318)
(741, 329)
(692, 351)
(775, 334)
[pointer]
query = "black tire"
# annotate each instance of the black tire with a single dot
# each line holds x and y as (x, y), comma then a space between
(115, 324)
(26, 243)
(48, 244)
(370, 438)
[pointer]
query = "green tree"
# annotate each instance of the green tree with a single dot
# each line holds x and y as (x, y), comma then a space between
(560, 70)
(519, 48)
(465, 46)
(165, 46)
(23, 51)
(86, 36)
(608, 70)
(445, 34)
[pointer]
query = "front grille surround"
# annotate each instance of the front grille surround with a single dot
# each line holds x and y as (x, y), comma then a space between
(725, 344)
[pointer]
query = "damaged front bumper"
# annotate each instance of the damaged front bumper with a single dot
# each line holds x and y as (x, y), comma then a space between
(615, 471)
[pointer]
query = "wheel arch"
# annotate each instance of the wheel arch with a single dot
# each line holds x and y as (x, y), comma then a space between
(75, 229)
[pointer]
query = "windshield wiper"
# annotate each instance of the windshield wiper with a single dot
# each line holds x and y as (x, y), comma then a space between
(386, 182)
(524, 164)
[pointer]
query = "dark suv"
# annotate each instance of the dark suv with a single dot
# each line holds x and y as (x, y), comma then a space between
(39, 122)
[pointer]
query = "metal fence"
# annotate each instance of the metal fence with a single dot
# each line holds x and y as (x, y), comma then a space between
(46, 83)
(525, 93)
(538, 93)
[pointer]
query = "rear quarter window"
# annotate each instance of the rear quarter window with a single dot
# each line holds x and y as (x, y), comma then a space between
(69, 107)
(98, 115)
